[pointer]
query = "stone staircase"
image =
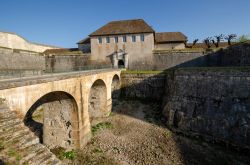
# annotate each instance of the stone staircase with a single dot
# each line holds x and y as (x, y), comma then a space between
(18, 145)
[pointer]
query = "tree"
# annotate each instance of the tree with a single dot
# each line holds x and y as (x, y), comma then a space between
(230, 37)
(243, 38)
(207, 41)
(218, 38)
(194, 42)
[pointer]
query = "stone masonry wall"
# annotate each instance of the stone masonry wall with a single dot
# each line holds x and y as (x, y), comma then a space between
(212, 103)
(142, 86)
(20, 60)
(235, 55)
(66, 62)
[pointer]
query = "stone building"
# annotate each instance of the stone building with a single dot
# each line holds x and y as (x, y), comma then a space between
(123, 42)
(170, 40)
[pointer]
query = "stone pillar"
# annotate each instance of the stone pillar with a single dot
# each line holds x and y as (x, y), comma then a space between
(115, 60)
(126, 60)
(58, 125)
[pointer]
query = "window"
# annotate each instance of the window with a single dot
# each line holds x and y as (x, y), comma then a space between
(107, 40)
(116, 39)
(124, 38)
(100, 40)
(133, 38)
(142, 38)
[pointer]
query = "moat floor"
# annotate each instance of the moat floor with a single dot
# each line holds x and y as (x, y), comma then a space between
(134, 134)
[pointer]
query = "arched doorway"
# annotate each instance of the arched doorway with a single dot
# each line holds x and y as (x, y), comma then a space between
(121, 64)
(97, 100)
(52, 118)
(115, 87)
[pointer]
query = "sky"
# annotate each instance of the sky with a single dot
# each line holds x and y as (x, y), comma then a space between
(65, 22)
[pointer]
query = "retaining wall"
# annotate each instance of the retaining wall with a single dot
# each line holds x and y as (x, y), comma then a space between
(212, 103)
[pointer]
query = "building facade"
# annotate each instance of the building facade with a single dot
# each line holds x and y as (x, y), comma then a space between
(123, 42)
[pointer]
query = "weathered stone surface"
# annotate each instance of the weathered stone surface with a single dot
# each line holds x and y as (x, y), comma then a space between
(18, 139)
(210, 103)
(143, 86)
(97, 100)
(58, 117)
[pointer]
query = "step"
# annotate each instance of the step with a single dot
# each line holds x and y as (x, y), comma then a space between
(51, 161)
(46, 159)
(28, 141)
(6, 111)
(12, 132)
(11, 126)
(31, 156)
(19, 137)
(7, 122)
(30, 151)
(43, 157)
(37, 154)
(7, 116)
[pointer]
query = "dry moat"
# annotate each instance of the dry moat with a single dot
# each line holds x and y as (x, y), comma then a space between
(135, 134)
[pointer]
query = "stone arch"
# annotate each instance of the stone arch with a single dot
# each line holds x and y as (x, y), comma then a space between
(97, 106)
(54, 119)
(115, 87)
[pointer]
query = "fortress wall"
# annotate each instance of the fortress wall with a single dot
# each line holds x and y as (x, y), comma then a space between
(14, 41)
(235, 55)
(211, 103)
(142, 86)
(12, 60)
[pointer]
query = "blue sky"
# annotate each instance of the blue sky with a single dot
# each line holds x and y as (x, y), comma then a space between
(65, 22)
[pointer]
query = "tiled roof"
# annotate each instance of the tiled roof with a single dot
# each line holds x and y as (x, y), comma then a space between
(84, 41)
(124, 27)
(170, 37)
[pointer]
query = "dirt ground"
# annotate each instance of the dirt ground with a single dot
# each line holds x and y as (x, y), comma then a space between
(134, 134)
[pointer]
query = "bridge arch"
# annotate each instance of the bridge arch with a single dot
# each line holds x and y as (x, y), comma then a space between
(54, 119)
(97, 100)
(115, 87)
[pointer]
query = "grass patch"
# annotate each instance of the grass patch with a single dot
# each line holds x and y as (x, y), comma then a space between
(62, 154)
(101, 126)
(166, 134)
(71, 155)
(1, 145)
(13, 153)
(58, 151)
(142, 72)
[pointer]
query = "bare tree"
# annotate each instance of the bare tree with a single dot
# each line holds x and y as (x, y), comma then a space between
(230, 37)
(218, 38)
(191, 46)
(207, 41)
(194, 42)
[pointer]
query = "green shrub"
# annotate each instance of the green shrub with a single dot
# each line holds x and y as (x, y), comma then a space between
(100, 126)
(70, 155)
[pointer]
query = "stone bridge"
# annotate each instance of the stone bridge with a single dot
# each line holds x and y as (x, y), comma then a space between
(69, 102)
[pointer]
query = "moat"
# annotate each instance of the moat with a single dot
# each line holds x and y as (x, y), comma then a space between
(135, 133)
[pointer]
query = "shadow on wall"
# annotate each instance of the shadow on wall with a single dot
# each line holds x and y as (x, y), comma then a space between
(235, 55)
(49, 120)
(210, 104)
(207, 104)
